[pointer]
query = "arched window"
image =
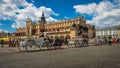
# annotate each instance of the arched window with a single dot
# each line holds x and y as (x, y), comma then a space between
(51, 36)
(73, 25)
(68, 37)
(56, 36)
(61, 36)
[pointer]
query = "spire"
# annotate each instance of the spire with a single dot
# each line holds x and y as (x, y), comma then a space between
(35, 22)
(28, 19)
(78, 16)
(83, 16)
(43, 18)
(43, 14)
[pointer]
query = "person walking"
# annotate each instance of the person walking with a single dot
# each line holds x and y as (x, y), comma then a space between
(2, 42)
(66, 41)
(109, 41)
(113, 41)
(118, 41)
(10, 43)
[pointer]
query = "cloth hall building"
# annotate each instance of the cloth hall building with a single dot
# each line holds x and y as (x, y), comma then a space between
(71, 29)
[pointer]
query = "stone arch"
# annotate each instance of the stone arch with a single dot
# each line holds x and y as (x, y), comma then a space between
(61, 36)
(56, 37)
(74, 25)
(68, 37)
(51, 36)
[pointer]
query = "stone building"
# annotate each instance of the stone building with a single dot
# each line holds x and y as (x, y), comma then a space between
(91, 31)
(72, 29)
(111, 31)
(3, 34)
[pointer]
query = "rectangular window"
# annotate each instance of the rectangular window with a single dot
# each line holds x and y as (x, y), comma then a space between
(112, 32)
(99, 33)
(108, 33)
(103, 32)
(96, 33)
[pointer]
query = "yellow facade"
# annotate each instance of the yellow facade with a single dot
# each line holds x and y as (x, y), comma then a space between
(60, 28)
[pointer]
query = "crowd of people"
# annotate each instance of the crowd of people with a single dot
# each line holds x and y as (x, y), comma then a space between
(112, 41)
(10, 43)
(58, 41)
(13, 43)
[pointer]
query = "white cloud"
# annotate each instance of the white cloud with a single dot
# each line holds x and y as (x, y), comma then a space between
(66, 17)
(20, 10)
(0, 24)
(50, 19)
(34, 13)
(105, 13)
(88, 9)
(33, 1)
(4, 30)
(9, 7)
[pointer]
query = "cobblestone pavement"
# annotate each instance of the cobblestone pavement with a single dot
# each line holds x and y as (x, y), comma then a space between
(6, 49)
(83, 57)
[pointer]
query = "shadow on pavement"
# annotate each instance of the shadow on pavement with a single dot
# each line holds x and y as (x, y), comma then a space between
(45, 50)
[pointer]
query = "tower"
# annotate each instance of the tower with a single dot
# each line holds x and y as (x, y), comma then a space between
(43, 19)
(28, 27)
(43, 22)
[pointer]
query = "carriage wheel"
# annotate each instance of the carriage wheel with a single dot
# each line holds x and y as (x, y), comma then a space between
(22, 47)
(52, 46)
(69, 45)
(76, 43)
(47, 45)
(31, 45)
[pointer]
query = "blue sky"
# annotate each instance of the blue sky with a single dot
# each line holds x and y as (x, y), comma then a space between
(101, 13)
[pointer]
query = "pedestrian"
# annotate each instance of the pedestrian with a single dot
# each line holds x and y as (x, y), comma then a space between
(17, 42)
(66, 41)
(109, 41)
(117, 41)
(2, 42)
(105, 40)
(10, 43)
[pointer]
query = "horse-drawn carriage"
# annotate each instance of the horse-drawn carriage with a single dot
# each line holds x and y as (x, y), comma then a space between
(77, 42)
(34, 43)
(39, 43)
